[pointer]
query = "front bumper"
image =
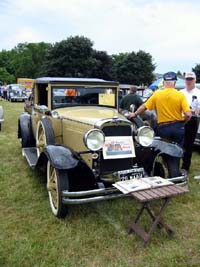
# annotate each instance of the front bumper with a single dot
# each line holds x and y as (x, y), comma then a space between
(15, 98)
(96, 195)
(180, 180)
(89, 196)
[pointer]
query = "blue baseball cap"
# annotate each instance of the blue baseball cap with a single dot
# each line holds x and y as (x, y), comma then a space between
(170, 76)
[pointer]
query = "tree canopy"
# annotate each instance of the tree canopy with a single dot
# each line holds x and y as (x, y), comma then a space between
(134, 68)
(74, 57)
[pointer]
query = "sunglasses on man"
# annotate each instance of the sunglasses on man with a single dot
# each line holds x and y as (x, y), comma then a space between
(189, 79)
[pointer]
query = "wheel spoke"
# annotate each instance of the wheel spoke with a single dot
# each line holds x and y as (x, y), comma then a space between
(41, 139)
(52, 186)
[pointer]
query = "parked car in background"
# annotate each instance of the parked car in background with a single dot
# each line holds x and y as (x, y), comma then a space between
(16, 92)
(1, 117)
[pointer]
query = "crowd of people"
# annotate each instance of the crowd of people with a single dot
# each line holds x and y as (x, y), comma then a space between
(177, 115)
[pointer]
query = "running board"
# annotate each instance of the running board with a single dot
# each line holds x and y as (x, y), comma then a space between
(30, 153)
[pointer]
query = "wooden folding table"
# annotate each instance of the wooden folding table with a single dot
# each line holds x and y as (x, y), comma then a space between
(145, 197)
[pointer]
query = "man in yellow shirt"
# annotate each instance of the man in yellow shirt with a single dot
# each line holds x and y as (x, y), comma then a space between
(172, 110)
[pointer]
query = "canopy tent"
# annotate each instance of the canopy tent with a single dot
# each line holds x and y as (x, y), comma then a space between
(158, 84)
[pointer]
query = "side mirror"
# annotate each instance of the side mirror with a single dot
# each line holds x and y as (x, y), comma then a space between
(42, 108)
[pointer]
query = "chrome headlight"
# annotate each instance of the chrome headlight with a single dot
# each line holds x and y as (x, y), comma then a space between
(145, 136)
(94, 139)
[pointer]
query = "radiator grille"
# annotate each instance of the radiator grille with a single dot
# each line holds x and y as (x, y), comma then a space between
(111, 165)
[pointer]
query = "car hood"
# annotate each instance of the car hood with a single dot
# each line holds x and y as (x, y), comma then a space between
(89, 115)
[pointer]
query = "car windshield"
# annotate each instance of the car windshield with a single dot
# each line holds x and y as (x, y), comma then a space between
(17, 87)
(98, 96)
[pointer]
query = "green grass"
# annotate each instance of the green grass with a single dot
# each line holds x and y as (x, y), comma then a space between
(92, 235)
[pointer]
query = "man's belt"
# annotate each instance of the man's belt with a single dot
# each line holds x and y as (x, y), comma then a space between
(168, 122)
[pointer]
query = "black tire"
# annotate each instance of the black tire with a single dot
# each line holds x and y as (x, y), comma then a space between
(172, 165)
(55, 189)
(159, 170)
(166, 166)
(26, 133)
(45, 125)
(0, 127)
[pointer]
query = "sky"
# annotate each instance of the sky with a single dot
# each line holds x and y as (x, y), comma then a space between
(168, 30)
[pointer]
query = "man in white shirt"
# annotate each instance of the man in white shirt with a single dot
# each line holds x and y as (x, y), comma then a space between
(193, 95)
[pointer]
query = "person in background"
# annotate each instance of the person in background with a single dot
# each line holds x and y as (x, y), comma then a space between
(131, 99)
(193, 96)
(5, 91)
(172, 111)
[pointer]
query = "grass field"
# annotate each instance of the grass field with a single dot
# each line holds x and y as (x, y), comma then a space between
(92, 235)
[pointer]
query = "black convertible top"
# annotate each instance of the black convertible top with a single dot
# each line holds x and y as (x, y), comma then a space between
(61, 80)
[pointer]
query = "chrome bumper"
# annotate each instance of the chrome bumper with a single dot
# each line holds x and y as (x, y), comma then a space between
(89, 196)
(19, 98)
(180, 180)
(96, 195)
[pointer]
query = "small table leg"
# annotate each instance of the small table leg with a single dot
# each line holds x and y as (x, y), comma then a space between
(157, 220)
(161, 222)
(137, 218)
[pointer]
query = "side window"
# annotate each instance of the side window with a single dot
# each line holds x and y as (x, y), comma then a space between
(42, 95)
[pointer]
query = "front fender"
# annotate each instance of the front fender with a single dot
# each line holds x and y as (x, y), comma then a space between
(60, 157)
(80, 175)
(170, 149)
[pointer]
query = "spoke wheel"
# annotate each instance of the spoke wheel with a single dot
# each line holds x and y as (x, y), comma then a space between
(57, 181)
(41, 140)
(44, 135)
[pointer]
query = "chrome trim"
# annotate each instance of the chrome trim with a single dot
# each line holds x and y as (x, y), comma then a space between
(182, 184)
(139, 133)
(83, 197)
(92, 199)
(89, 192)
(86, 136)
(181, 179)
(115, 119)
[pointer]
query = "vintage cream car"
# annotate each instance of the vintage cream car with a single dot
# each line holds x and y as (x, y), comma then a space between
(71, 129)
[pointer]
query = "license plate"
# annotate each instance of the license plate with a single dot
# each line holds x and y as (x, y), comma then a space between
(131, 174)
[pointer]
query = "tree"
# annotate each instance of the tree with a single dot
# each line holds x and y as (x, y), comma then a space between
(103, 65)
(196, 70)
(72, 57)
(5, 60)
(27, 59)
(134, 68)
(5, 76)
(75, 57)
